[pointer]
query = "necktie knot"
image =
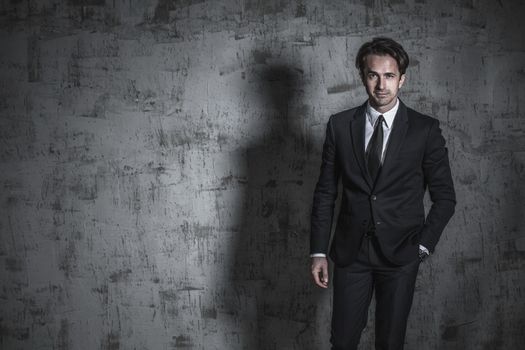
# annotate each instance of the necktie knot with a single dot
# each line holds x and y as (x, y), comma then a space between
(379, 121)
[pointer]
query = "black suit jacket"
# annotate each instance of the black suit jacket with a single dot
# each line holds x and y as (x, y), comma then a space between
(416, 159)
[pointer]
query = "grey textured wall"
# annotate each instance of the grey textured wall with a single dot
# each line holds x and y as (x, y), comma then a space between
(158, 160)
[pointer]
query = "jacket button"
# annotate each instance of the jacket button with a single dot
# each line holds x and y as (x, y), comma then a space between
(373, 197)
(378, 222)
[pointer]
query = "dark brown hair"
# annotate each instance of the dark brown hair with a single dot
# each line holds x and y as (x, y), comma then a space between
(382, 46)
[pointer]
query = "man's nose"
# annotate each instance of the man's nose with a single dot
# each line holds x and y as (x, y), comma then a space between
(380, 83)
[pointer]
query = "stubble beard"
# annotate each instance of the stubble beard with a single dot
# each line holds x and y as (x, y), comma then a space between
(382, 100)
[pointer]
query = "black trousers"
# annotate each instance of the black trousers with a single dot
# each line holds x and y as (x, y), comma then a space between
(353, 288)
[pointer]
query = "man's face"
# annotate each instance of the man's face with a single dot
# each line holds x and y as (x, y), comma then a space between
(382, 81)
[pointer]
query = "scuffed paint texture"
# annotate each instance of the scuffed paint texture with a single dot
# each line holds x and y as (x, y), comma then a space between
(158, 160)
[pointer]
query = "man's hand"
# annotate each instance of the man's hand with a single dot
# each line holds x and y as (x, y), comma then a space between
(320, 271)
(423, 255)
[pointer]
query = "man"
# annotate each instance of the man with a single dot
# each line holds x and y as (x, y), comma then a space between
(386, 156)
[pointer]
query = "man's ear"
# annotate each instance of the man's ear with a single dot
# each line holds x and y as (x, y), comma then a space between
(402, 80)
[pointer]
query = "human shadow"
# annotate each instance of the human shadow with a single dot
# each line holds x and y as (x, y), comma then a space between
(270, 271)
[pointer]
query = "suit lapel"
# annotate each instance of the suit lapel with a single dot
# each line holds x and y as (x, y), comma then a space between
(357, 131)
(397, 136)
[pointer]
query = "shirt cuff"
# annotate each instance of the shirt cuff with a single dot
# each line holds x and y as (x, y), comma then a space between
(423, 248)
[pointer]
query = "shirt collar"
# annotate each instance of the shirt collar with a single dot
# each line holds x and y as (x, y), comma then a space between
(389, 116)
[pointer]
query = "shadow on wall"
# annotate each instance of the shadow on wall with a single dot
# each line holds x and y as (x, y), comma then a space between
(509, 255)
(270, 277)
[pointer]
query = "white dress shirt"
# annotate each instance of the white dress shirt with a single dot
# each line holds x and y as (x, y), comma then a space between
(371, 117)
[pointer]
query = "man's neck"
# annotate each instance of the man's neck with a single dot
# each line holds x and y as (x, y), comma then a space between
(383, 111)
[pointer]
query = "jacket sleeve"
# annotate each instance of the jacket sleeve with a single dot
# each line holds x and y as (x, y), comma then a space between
(325, 195)
(438, 179)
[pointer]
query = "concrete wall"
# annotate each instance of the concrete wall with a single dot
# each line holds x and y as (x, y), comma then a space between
(158, 160)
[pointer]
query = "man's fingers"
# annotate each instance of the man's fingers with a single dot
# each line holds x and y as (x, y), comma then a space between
(317, 278)
(325, 274)
(320, 272)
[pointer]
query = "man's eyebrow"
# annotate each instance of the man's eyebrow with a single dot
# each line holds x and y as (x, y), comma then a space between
(374, 72)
